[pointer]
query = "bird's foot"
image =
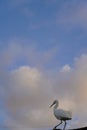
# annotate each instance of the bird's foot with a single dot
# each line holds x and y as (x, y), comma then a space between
(54, 128)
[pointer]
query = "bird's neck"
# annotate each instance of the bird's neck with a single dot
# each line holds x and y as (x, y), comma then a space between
(56, 105)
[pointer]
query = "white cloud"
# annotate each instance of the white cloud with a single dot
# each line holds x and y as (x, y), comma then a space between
(65, 68)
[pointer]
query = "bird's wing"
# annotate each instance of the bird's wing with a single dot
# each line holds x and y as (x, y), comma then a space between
(66, 114)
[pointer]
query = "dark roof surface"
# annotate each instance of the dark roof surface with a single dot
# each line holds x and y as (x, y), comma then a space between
(83, 128)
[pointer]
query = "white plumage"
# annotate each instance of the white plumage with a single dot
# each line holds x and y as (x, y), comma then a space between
(60, 114)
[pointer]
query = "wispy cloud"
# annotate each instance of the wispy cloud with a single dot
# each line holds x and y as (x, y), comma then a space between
(73, 14)
(17, 3)
(27, 12)
(20, 51)
(50, 2)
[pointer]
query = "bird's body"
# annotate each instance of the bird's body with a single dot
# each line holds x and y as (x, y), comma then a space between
(61, 114)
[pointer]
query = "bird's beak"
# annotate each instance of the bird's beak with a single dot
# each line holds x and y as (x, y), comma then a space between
(51, 105)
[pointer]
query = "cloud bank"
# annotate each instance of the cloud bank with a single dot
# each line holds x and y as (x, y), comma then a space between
(27, 92)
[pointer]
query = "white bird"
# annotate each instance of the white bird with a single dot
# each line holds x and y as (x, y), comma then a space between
(60, 114)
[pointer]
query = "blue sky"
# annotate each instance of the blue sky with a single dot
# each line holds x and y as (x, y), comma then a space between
(45, 24)
(41, 39)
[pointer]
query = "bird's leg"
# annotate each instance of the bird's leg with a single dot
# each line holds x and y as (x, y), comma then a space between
(64, 125)
(58, 125)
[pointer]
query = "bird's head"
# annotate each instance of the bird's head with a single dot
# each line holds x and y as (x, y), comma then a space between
(54, 102)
